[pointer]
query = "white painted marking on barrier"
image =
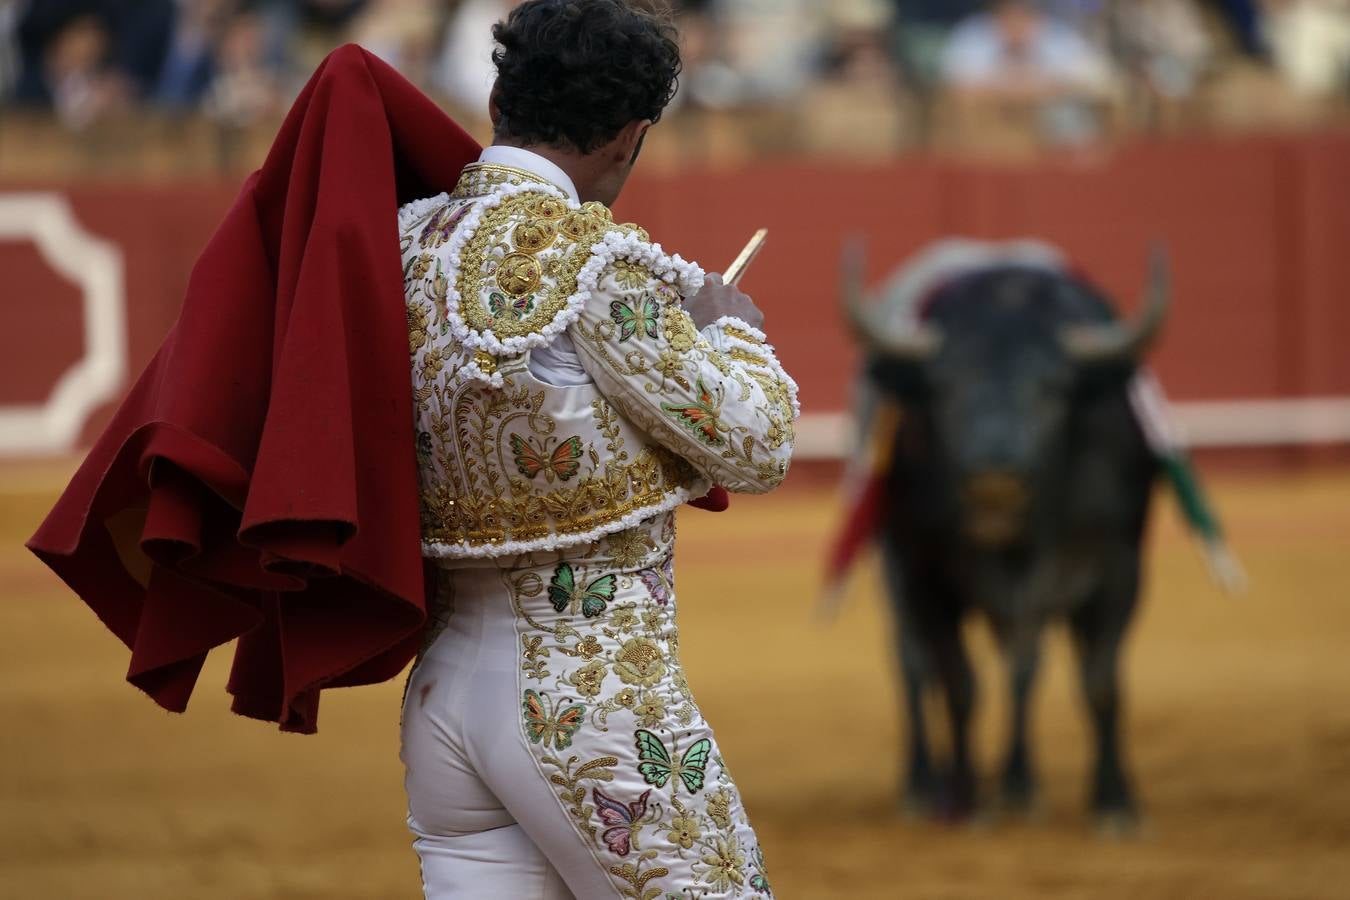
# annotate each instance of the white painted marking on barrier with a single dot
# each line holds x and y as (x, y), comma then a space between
(1232, 423)
(98, 377)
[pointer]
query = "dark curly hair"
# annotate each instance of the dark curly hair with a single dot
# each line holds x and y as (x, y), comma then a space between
(573, 73)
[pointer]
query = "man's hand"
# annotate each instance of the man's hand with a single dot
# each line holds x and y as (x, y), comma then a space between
(716, 300)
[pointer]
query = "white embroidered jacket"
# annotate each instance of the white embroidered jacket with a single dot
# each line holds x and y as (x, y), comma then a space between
(509, 464)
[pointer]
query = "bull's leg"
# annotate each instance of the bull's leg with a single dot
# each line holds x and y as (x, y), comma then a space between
(1019, 779)
(920, 785)
(1099, 630)
(958, 681)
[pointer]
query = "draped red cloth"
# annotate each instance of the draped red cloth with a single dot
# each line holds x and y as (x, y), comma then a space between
(259, 482)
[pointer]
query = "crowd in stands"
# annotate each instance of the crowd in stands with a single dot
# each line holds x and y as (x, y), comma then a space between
(843, 76)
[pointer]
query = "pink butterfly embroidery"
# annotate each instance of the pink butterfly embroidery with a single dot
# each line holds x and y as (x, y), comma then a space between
(659, 582)
(624, 820)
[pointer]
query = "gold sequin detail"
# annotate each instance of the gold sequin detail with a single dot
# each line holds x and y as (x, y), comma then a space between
(548, 208)
(518, 274)
(534, 235)
(485, 361)
(599, 210)
(579, 226)
(746, 336)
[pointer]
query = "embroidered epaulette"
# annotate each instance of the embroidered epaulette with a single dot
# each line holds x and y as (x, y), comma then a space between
(527, 259)
(517, 256)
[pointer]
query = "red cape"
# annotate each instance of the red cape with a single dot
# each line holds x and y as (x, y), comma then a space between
(259, 482)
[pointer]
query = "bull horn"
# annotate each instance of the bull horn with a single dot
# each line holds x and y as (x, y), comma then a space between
(1123, 341)
(915, 343)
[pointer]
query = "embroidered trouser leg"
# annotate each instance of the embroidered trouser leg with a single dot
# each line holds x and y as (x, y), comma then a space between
(485, 825)
(554, 701)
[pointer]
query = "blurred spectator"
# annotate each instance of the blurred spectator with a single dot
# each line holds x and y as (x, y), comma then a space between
(245, 88)
(300, 32)
(190, 62)
(464, 71)
(1309, 42)
(763, 51)
(843, 77)
(856, 110)
(923, 28)
(402, 33)
(1166, 43)
(1016, 60)
(131, 37)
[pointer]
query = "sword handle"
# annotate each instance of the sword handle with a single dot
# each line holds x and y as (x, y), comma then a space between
(742, 262)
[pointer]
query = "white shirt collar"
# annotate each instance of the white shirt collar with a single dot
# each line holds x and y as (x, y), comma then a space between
(518, 158)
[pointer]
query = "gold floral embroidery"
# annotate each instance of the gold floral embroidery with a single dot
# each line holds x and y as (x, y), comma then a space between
(623, 618)
(421, 265)
(640, 662)
(679, 329)
(719, 807)
(636, 878)
(651, 711)
(683, 827)
(630, 547)
(724, 860)
(588, 679)
(573, 792)
(534, 655)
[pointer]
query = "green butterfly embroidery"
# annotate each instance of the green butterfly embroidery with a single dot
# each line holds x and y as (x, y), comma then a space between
(517, 308)
(642, 315)
(545, 724)
(657, 765)
(594, 597)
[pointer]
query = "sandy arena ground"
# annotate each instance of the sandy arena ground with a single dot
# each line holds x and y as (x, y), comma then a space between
(1239, 729)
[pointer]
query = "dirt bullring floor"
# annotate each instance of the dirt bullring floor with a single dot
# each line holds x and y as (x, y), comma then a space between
(1238, 726)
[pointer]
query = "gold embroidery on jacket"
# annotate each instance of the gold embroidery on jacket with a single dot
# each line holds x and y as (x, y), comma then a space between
(513, 248)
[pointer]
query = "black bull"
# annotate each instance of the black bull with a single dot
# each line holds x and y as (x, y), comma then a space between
(1019, 488)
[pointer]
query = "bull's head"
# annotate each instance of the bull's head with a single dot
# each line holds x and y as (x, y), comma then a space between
(996, 392)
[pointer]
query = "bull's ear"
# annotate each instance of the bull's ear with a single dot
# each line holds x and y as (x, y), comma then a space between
(897, 377)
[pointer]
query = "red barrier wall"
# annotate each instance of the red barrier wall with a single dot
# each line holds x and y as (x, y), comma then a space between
(1258, 229)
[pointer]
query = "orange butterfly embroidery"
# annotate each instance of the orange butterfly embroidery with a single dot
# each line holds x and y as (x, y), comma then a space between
(547, 724)
(701, 416)
(532, 459)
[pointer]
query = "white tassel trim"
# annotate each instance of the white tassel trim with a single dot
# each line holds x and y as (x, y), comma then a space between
(464, 550)
(773, 368)
(409, 213)
(684, 276)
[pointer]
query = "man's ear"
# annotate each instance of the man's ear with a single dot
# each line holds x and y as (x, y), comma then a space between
(494, 111)
(630, 140)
